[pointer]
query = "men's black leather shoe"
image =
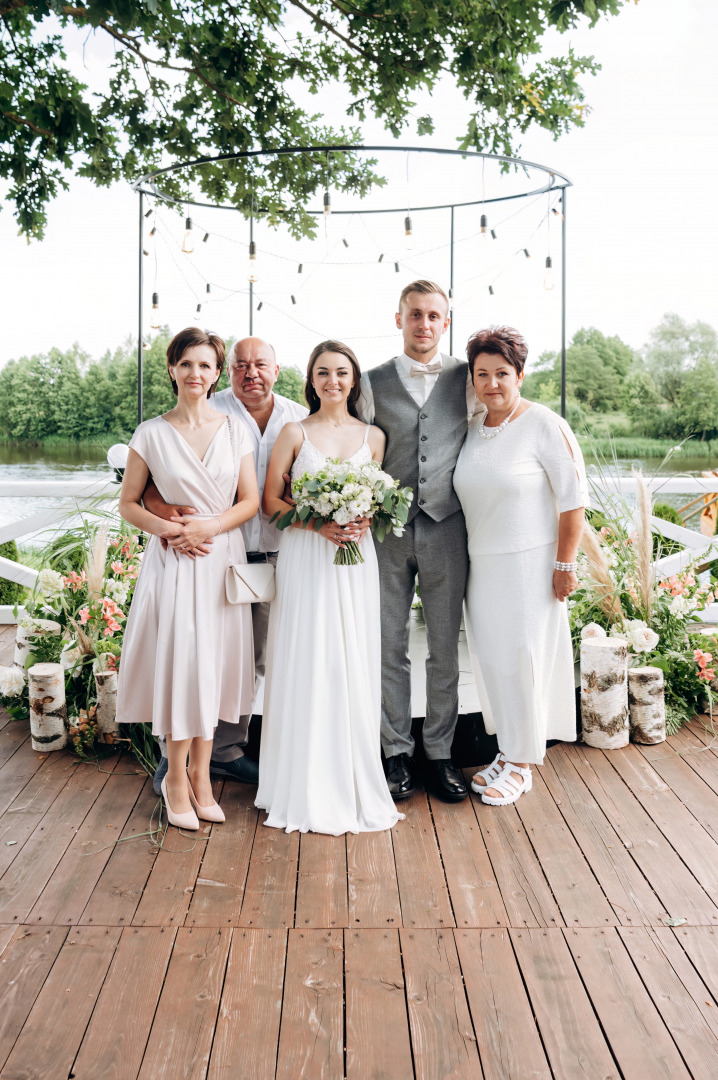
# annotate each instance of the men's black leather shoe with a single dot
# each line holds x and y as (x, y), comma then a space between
(446, 781)
(400, 776)
(242, 768)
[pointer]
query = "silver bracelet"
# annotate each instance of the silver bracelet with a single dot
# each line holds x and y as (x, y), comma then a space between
(571, 566)
(219, 519)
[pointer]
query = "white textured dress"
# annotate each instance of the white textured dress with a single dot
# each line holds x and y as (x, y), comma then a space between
(187, 657)
(320, 762)
(512, 489)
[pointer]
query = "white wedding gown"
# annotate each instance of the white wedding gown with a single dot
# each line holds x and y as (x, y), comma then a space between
(320, 764)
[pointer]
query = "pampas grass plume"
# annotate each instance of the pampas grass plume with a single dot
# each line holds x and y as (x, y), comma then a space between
(643, 546)
(600, 573)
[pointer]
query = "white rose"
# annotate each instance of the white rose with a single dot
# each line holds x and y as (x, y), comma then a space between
(679, 606)
(640, 637)
(592, 630)
(50, 582)
(69, 656)
(12, 681)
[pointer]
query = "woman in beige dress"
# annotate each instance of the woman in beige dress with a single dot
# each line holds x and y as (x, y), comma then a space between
(187, 653)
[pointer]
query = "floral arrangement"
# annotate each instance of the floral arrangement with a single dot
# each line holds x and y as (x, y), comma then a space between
(343, 492)
(87, 610)
(620, 595)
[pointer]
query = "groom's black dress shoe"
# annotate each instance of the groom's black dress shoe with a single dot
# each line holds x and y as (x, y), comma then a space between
(400, 776)
(445, 780)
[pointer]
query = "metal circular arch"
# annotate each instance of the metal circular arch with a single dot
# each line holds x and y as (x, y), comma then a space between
(557, 181)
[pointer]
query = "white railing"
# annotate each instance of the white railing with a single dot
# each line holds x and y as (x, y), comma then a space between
(77, 494)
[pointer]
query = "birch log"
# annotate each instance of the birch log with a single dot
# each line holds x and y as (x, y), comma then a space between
(37, 628)
(106, 683)
(646, 705)
(48, 713)
(604, 692)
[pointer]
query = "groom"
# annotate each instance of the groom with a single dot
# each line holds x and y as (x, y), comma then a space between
(421, 400)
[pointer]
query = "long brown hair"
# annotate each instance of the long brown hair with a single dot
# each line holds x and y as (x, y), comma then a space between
(354, 394)
(185, 340)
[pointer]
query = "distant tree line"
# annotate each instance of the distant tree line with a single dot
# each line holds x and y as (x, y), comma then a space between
(667, 390)
(69, 396)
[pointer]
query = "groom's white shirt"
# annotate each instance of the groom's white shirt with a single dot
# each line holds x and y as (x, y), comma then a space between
(417, 386)
(256, 536)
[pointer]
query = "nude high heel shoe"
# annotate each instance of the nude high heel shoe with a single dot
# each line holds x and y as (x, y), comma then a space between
(206, 813)
(182, 821)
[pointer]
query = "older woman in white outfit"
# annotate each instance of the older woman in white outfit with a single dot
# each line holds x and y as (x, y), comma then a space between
(521, 482)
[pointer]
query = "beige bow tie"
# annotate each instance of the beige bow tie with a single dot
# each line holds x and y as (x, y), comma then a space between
(432, 368)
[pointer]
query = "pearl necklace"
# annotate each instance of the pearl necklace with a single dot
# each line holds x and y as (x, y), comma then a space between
(491, 433)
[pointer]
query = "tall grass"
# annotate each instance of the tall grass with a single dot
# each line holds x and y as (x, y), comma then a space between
(636, 447)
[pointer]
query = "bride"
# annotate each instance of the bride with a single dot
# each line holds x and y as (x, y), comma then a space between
(320, 763)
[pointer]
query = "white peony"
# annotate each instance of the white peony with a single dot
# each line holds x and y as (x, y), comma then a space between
(640, 637)
(592, 630)
(69, 656)
(118, 590)
(50, 583)
(12, 681)
(679, 606)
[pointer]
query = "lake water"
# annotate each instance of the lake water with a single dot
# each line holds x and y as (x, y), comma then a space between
(68, 462)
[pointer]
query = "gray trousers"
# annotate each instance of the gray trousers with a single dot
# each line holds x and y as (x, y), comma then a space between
(230, 738)
(436, 551)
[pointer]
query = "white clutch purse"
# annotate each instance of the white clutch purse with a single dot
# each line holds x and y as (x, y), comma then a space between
(250, 583)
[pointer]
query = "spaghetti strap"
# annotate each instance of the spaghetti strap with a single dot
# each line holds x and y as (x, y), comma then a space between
(303, 431)
(366, 433)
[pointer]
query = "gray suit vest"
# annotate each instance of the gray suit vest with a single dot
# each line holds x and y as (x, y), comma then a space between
(423, 441)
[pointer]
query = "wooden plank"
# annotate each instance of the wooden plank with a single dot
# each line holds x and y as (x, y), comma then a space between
(172, 879)
(701, 945)
(116, 895)
(678, 994)
(442, 1036)
(66, 894)
(33, 867)
(377, 1025)
(35, 794)
(473, 888)
(26, 962)
(577, 893)
(423, 892)
(311, 1033)
(272, 879)
(693, 792)
(118, 1031)
(372, 888)
(218, 892)
(696, 755)
(18, 771)
(524, 889)
(697, 849)
(247, 1034)
(508, 1040)
(183, 1028)
(48, 1043)
(633, 900)
(677, 888)
(570, 1032)
(322, 882)
(638, 1038)
(6, 934)
(13, 734)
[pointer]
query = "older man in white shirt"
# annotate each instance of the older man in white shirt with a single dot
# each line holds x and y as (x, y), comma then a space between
(253, 371)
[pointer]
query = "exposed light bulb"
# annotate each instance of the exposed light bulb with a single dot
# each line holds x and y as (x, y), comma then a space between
(483, 227)
(252, 272)
(148, 212)
(155, 313)
(205, 238)
(327, 203)
(198, 312)
(493, 234)
(345, 242)
(380, 259)
(153, 230)
(300, 268)
(527, 253)
(260, 305)
(491, 290)
(208, 289)
(548, 274)
(408, 234)
(396, 268)
(188, 242)
(294, 299)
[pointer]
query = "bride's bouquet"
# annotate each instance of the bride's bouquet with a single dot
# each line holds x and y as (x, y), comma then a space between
(342, 492)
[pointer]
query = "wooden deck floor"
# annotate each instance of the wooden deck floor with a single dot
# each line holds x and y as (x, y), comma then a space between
(574, 935)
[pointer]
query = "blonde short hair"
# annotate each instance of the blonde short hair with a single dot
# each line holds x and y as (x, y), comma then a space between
(422, 286)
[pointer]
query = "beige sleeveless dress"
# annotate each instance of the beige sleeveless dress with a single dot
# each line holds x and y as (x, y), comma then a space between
(187, 656)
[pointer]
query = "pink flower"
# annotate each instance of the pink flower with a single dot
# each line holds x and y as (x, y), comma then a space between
(85, 615)
(75, 581)
(117, 568)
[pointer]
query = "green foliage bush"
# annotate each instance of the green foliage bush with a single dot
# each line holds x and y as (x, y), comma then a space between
(10, 591)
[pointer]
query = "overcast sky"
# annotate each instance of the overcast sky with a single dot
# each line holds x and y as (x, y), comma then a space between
(642, 227)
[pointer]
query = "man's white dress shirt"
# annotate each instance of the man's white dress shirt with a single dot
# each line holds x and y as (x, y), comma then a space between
(417, 386)
(260, 537)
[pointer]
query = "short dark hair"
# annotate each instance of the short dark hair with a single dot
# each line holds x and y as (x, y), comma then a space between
(354, 394)
(423, 285)
(498, 341)
(188, 338)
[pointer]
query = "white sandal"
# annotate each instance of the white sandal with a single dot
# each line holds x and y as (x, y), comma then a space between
(511, 787)
(491, 772)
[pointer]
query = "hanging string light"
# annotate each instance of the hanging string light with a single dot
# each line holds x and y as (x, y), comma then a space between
(548, 275)
(491, 290)
(155, 313)
(527, 253)
(153, 230)
(205, 238)
(345, 242)
(381, 258)
(252, 272)
(396, 267)
(149, 212)
(188, 241)
(408, 233)
(300, 268)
